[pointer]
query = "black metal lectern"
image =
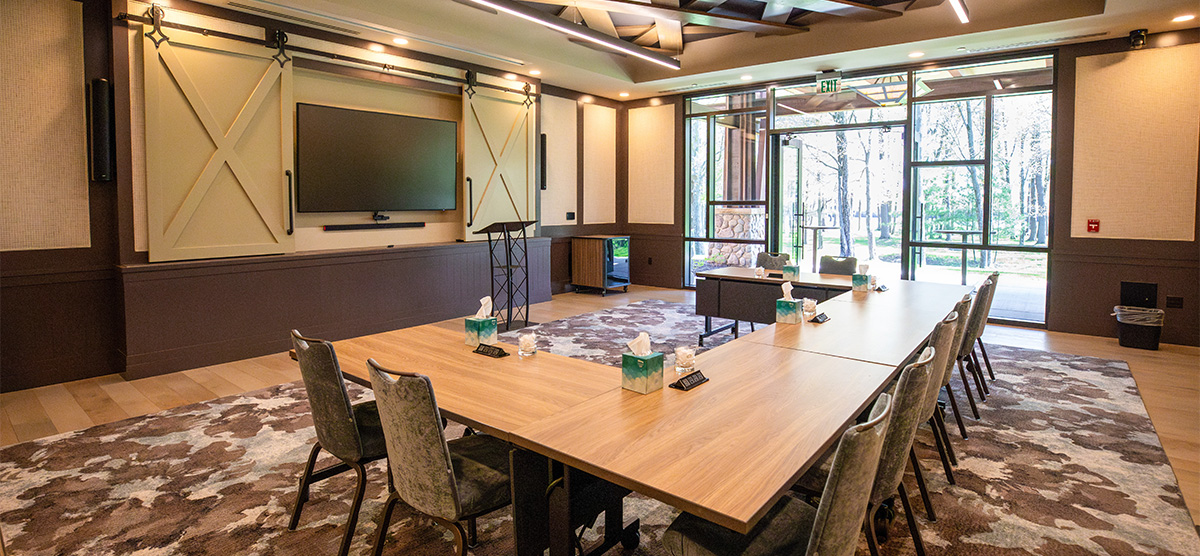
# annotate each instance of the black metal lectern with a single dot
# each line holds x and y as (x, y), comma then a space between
(509, 254)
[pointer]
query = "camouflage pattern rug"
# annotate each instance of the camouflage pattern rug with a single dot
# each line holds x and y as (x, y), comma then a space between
(1064, 462)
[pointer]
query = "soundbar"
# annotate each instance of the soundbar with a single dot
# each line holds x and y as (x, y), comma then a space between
(379, 226)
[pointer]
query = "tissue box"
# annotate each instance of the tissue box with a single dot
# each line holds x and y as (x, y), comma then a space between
(642, 373)
(788, 312)
(861, 282)
(481, 331)
(791, 272)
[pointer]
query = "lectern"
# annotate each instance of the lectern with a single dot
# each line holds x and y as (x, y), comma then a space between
(509, 254)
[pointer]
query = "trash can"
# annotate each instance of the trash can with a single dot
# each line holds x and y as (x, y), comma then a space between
(1138, 327)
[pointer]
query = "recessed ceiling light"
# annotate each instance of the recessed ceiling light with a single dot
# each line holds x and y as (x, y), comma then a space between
(622, 95)
(747, 77)
(961, 49)
(1184, 18)
(916, 54)
(376, 47)
(510, 76)
(535, 72)
(400, 40)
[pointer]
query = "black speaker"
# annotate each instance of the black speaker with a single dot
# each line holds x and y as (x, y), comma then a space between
(102, 159)
(1139, 294)
(541, 177)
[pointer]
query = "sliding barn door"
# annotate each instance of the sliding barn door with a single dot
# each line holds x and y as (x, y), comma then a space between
(498, 159)
(218, 142)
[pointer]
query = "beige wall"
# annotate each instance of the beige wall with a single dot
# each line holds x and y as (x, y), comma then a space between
(1137, 133)
(560, 125)
(599, 164)
(652, 165)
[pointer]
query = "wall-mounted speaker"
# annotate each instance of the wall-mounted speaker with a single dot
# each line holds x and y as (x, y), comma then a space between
(102, 158)
(541, 177)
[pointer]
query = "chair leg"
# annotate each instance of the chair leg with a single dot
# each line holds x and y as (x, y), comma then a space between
(460, 536)
(352, 521)
(920, 473)
(941, 426)
(957, 416)
(980, 382)
(302, 492)
(385, 521)
(472, 533)
(937, 438)
(912, 521)
(869, 529)
(752, 327)
(967, 387)
(986, 359)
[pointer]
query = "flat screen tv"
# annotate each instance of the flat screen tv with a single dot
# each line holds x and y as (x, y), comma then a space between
(354, 160)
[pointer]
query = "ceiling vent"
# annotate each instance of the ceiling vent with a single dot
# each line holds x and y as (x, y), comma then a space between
(693, 87)
(281, 15)
(1029, 44)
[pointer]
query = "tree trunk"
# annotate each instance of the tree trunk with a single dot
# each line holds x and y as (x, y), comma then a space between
(843, 196)
(885, 220)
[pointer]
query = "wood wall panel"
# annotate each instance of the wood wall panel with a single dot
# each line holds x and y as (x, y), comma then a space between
(656, 260)
(599, 164)
(652, 164)
(559, 119)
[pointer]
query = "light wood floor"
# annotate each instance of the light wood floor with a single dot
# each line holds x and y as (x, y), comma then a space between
(1169, 380)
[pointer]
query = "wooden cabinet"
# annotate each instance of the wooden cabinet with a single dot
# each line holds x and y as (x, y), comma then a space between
(600, 262)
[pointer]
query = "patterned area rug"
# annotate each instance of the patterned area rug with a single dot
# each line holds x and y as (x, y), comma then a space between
(1064, 461)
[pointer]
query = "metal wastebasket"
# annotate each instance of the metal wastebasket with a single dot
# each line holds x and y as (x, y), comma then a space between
(1138, 327)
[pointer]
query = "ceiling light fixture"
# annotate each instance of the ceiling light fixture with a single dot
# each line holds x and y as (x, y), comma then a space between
(376, 48)
(996, 82)
(547, 20)
(510, 76)
(747, 77)
(916, 54)
(960, 9)
(535, 72)
(400, 40)
(622, 95)
(1184, 18)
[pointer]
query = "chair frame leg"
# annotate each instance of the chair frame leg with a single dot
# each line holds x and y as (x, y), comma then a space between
(980, 381)
(352, 521)
(962, 429)
(385, 521)
(912, 520)
(460, 536)
(869, 529)
(986, 359)
(941, 426)
(472, 533)
(302, 491)
(920, 474)
(937, 438)
(967, 387)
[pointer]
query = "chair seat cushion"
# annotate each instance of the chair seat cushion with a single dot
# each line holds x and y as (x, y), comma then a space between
(784, 531)
(370, 430)
(481, 470)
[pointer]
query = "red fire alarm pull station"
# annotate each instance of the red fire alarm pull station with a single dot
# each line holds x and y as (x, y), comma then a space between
(1093, 225)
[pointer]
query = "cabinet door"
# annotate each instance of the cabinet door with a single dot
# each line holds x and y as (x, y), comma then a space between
(498, 159)
(218, 141)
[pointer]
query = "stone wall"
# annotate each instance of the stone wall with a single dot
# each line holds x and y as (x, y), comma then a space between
(738, 223)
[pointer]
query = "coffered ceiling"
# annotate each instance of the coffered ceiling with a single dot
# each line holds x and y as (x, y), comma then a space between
(721, 42)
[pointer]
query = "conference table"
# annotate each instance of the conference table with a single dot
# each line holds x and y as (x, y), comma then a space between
(725, 451)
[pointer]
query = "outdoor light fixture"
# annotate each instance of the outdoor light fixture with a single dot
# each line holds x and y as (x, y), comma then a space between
(547, 20)
(1137, 38)
(960, 9)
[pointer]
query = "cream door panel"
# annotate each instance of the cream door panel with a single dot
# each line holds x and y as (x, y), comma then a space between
(218, 142)
(498, 158)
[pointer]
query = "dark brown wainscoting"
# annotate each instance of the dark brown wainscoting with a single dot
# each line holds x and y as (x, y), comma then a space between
(185, 315)
(656, 260)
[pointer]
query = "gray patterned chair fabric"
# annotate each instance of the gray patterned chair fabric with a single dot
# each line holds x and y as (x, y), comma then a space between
(450, 481)
(351, 432)
(977, 318)
(792, 526)
(838, 265)
(772, 261)
(962, 309)
(991, 295)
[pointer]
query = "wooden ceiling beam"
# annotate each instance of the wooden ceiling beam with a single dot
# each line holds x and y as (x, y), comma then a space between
(843, 8)
(599, 20)
(685, 15)
(670, 34)
(650, 37)
(776, 11)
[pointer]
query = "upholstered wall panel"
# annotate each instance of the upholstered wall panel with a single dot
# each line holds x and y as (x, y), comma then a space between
(652, 165)
(43, 126)
(559, 123)
(599, 164)
(1137, 132)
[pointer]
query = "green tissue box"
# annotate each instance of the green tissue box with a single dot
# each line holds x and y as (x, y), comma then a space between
(861, 282)
(788, 312)
(791, 272)
(481, 331)
(642, 373)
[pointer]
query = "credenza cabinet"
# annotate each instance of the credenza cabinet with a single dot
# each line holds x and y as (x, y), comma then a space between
(600, 262)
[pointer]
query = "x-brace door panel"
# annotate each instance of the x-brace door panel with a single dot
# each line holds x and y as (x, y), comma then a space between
(499, 157)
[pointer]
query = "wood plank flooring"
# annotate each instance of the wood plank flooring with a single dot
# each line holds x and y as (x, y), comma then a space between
(1169, 380)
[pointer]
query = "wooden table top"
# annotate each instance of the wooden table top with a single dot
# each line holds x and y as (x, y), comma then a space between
(836, 281)
(908, 295)
(726, 450)
(497, 396)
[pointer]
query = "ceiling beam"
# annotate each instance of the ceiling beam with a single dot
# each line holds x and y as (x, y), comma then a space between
(704, 5)
(648, 38)
(776, 11)
(599, 20)
(670, 34)
(843, 8)
(685, 15)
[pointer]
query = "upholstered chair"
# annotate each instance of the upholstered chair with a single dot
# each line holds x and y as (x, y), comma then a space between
(450, 481)
(773, 261)
(975, 323)
(838, 265)
(351, 432)
(995, 278)
(962, 309)
(793, 527)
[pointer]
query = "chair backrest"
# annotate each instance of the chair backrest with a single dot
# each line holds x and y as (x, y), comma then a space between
(908, 410)
(838, 265)
(942, 341)
(995, 278)
(332, 414)
(963, 310)
(418, 456)
(847, 490)
(773, 261)
(977, 319)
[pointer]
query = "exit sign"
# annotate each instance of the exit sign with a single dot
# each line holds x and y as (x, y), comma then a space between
(829, 82)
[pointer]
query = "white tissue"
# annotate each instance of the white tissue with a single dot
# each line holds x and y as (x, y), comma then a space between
(864, 268)
(640, 346)
(787, 291)
(485, 308)
(760, 272)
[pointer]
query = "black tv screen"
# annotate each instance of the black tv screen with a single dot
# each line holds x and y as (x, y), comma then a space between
(353, 160)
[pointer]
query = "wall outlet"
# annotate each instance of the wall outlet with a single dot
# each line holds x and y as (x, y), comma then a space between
(570, 216)
(1174, 301)
(649, 260)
